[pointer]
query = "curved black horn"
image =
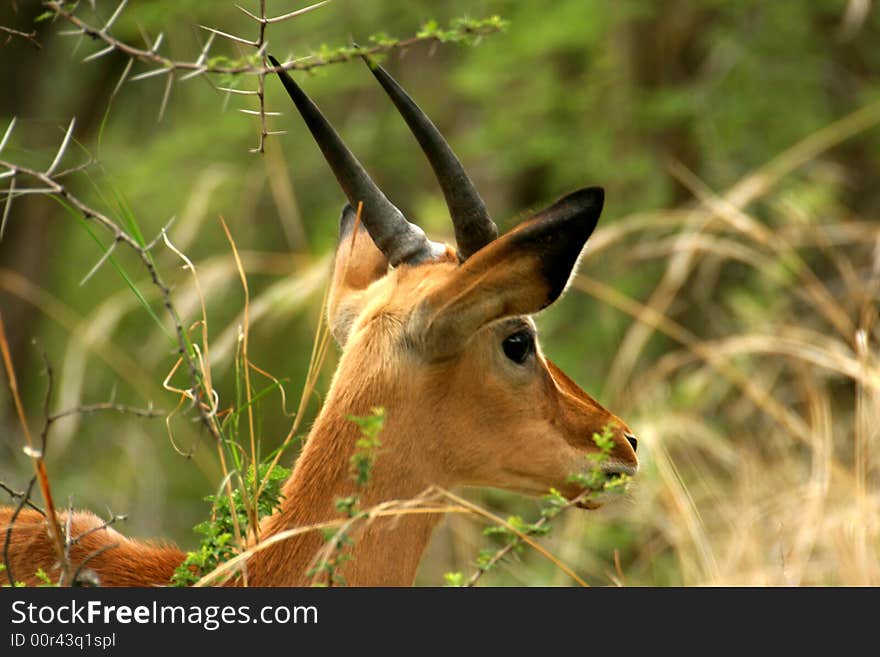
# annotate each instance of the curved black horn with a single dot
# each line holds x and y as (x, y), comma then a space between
(473, 226)
(396, 237)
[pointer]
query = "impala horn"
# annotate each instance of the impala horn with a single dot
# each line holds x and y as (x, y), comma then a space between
(397, 238)
(474, 229)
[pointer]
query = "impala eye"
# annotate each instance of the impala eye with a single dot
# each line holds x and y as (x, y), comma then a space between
(518, 346)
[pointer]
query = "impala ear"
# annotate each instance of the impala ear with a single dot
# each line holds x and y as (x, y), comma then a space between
(358, 263)
(519, 273)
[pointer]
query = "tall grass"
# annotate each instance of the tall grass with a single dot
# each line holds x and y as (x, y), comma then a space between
(751, 377)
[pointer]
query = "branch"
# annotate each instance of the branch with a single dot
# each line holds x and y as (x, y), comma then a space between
(29, 36)
(78, 574)
(18, 495)
(78, 578)
(24, 498)
(36, 456)
(52, 187)
(108, 406)
(465, 30)
(505, 550)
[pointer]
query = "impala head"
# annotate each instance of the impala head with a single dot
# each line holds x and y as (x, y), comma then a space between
(445, 336)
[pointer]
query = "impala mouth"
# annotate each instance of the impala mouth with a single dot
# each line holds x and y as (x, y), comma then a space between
(613, 471)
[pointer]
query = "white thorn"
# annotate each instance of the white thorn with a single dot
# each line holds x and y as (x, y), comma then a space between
(63, 148)
(296, 13)
(194, 73)
(98, 264)
(204, 53)
(100, 53)
(241, 92)
(229, 36)
(157, 42)
(165, 98)
(7, 134)
(10, 193)
(149, 74)
(115, 15)
(256, 113)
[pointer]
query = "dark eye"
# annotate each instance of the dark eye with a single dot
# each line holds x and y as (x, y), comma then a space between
(518, 346)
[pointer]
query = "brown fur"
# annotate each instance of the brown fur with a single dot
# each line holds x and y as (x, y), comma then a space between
(424, 342)
(129, 563)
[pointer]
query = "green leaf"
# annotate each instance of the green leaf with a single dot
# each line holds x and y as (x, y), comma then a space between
(453, 579)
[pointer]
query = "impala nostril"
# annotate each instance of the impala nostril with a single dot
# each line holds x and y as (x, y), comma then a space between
(632, 441)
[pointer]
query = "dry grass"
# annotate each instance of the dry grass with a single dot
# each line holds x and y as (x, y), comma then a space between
(752, 376)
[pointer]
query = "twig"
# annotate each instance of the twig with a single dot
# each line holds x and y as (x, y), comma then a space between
(261, 80)
(36, 456)
(24, 499)
(161, 65)
(104, 525)
(30, 36)
(166, 64)
(76, 581)
(108, 406)
(17, 495)
(53, 187)
(502, 552)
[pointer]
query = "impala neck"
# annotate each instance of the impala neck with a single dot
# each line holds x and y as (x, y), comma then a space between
(385, 552)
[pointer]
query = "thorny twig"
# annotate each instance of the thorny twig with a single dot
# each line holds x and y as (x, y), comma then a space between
(18, 495)
(52, 187)
(260, 45)
(29, 36)
(55, 188)
(76, 578)
(167, 65)
(114, 518)
(161, 65)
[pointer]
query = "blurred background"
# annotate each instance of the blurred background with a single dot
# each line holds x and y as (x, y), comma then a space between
(726, 306)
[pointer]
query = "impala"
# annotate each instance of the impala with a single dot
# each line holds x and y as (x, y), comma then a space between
(442, 338)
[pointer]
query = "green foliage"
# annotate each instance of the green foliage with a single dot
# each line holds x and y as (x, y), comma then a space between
(362, 462)
(461, 30)
(367, 444)
(40, 574)
(454, 579)
(216, 545)
(330, 567)
(595, 481)
(6, 582)
(466, 30)
(43, 577)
